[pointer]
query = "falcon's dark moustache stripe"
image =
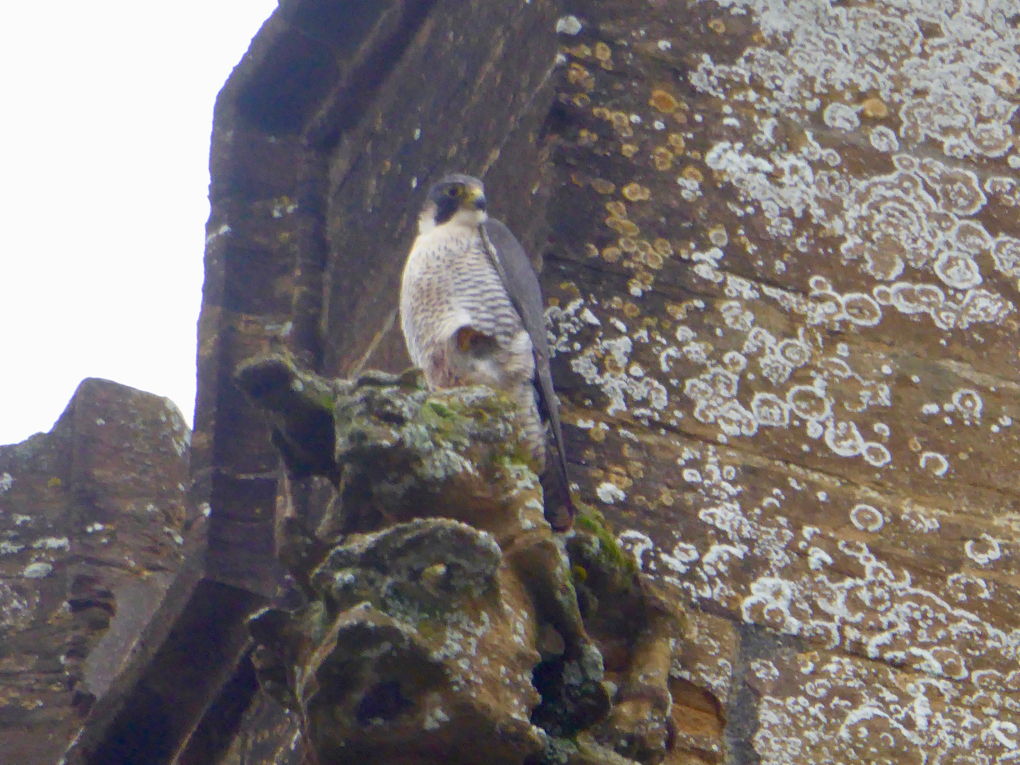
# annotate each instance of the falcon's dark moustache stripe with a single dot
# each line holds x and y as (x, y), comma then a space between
(446, 208)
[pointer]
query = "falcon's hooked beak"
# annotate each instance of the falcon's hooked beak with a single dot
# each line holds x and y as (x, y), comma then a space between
(476, 198)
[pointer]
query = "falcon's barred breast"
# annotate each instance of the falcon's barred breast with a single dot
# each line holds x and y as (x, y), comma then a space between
(471, 311)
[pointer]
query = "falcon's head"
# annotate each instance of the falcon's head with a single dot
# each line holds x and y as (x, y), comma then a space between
(456, 200)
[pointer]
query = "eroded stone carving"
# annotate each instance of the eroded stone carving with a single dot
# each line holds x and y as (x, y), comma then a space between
(442, 617)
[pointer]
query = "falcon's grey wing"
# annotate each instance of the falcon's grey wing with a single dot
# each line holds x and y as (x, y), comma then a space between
(521, 284)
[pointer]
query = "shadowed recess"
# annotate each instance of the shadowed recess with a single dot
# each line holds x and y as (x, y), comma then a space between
(341, 25)
(289, 84)
(383, 702)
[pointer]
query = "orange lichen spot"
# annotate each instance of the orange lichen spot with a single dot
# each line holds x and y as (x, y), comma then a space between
(612, 365)
(641, 281)
(1008, 83)
(602, 113)
(586, 137)
(662, 157)
(662, 247)
(598, 435)
(679, 311)
(612, 254)
(581, 100)
(635, 468)
(653, 260)
(602, 186)
(616, 208)
(666, 498)
(695, 155)
(620, 120)
(663, 101)
(718, 26)
(630, 310)
(635, 192)
(627, 244)
(553, 301)
(618, 475)
(692, 173)
(581, 51)
(914, 444)
(591, 250)
(616, 303)
(677, 142)
(875, 108)
(628, 150)
(602, 51)
(578, 75)
(718, 236)
(630, 229)
(623, 226)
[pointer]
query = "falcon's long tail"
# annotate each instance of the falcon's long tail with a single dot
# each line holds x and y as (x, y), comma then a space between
(559, 507)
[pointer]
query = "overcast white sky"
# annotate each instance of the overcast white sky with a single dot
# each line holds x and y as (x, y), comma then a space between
(105, 119)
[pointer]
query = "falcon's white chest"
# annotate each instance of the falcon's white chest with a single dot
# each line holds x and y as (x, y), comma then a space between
(450, 283)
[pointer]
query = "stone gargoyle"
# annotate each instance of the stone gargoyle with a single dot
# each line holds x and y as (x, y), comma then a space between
(441, 620)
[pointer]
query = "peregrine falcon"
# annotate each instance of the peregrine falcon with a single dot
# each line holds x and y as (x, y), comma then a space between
(472, 313)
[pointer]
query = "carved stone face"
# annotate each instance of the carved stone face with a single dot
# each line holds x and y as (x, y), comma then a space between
(431, 628)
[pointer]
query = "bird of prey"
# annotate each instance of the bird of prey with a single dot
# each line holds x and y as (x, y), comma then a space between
(471, 310)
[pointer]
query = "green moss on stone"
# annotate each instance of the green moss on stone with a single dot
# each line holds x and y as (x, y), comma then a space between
(610, 553)
(441, 409)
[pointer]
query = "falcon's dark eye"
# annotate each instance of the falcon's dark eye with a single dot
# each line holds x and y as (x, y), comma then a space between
(453, 192)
